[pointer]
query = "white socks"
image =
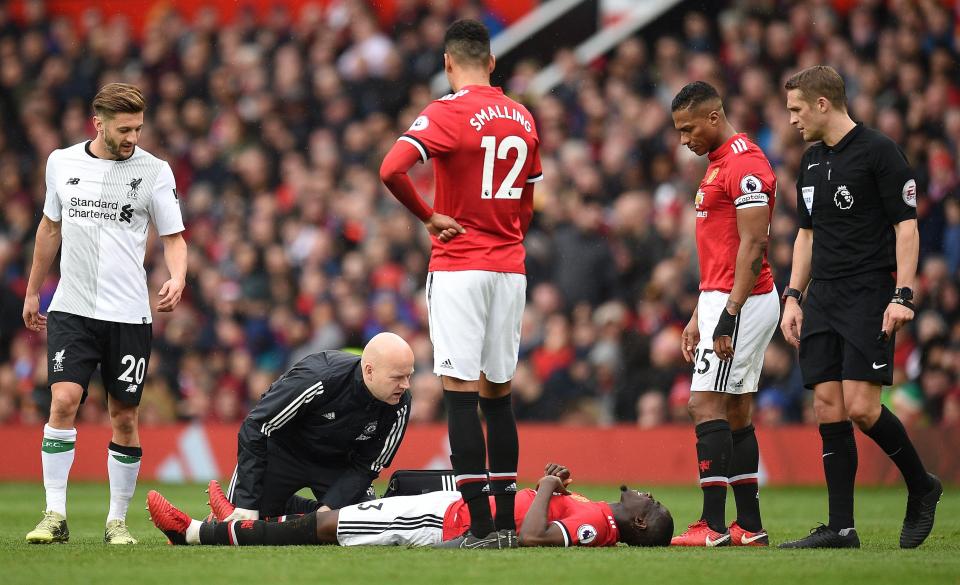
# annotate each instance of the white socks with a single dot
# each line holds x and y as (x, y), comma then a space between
(193, 532)
(56, 454)
(123, 465)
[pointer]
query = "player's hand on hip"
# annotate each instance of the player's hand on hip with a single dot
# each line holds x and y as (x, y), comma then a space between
(689, 339)
(242, 514)
(170, 294)
(31, 314)
(895, 317)
(792, 322)
(444, 227)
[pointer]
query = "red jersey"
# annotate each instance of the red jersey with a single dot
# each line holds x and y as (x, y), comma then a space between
(486, 150)
(582, 521)
(739, 176)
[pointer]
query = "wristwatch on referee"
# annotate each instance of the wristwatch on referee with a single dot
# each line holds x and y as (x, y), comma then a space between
(904, 296)
(792, 292)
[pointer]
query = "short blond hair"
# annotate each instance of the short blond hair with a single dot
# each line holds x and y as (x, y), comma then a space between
(118, 98)
(819, 81)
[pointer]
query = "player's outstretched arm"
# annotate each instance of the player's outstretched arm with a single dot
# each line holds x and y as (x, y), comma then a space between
(44, 251)
(175, 254)
(536, 529)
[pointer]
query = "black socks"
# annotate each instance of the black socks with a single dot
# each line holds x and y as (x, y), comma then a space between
(744, 475)
(889, 434)
(302, 530)
(469, 457)
(714, 450)
(840, 470)
(503, 449)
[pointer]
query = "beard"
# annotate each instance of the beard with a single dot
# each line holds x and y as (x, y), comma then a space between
(113, 147)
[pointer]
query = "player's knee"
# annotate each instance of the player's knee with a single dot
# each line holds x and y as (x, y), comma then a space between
(701, 410)
(64, 405)
(863, 414)
(828, 409)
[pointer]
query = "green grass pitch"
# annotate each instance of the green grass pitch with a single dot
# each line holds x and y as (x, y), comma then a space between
(788, 513)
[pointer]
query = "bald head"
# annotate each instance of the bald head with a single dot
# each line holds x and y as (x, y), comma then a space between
(387, 363)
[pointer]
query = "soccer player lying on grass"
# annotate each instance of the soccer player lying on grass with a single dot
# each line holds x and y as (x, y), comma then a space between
(547, 516)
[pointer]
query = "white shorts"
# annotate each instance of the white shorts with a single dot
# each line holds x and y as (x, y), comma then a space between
(475, 318)
(755, 326)
(398, 520)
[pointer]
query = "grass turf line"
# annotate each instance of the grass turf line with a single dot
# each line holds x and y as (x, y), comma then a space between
(788, 513)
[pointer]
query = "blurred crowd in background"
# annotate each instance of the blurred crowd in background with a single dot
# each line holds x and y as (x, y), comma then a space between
(275, 132)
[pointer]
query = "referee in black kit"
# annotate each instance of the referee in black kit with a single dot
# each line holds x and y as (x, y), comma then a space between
(330, 423)
(857, 198)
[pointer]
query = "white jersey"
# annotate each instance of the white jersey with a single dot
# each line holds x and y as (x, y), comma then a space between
(104, 206)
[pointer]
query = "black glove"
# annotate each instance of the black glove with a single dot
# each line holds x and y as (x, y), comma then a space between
(725, 325)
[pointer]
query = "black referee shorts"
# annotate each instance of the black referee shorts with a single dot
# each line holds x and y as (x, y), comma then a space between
(76, 345)
(842, 320)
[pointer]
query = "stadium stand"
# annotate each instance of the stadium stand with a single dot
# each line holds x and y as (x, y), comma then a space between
(276, 129)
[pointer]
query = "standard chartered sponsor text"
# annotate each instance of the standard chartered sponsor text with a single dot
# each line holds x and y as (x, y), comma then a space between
(100, 209)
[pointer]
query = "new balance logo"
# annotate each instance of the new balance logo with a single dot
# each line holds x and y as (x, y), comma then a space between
(58, 360)
(447, 364)
(126, 213)
(329, 415)
(73, 181)
(132, 388)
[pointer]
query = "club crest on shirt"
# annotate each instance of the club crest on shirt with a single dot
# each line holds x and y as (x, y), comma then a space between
(843, 198)
(713, 175)
(134, 185)
(367, 431)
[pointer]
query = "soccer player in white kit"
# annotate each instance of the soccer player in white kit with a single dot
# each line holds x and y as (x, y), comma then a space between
(101, 196)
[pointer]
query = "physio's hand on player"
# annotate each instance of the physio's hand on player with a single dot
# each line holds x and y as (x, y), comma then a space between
(793, 321)
(895, 317)
(689, 339)
(170, 295)
(31, 314)
(553, 483)
(557, 470)
(242, 514)
(444, 227)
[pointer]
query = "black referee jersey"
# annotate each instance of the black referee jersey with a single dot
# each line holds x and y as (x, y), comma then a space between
(851, 195)
(321, 412)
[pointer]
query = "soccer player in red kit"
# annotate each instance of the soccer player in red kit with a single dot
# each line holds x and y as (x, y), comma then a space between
(548, 516)
(485, 151)
(737, 313)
